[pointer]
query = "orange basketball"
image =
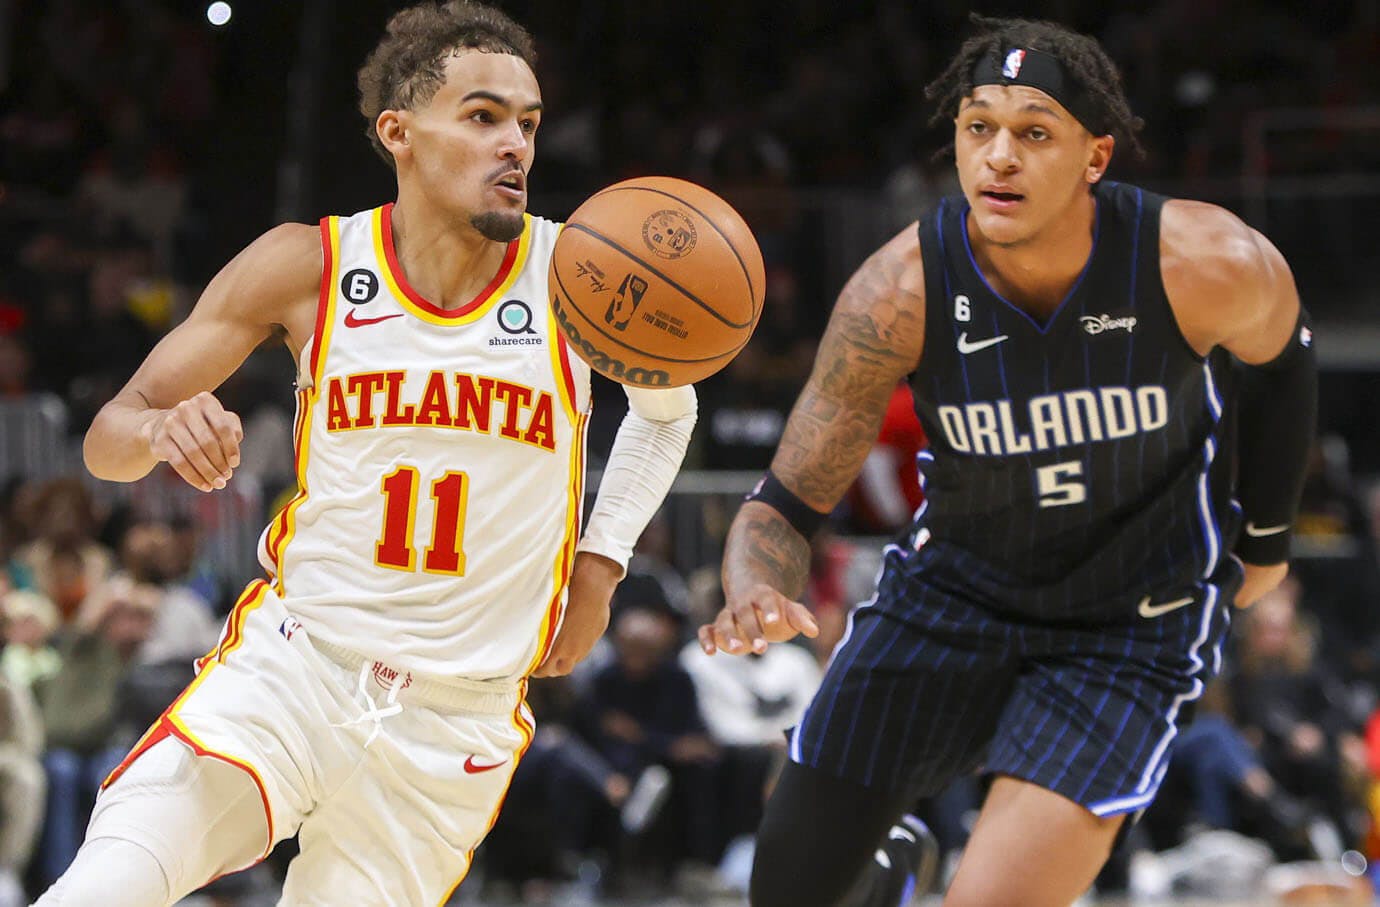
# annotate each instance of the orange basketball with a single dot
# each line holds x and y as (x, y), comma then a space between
(656, 282)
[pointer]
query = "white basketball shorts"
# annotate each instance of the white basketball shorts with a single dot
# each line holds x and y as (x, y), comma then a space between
(390, 780)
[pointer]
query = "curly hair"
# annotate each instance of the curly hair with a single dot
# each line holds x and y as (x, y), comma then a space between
(407, 67)
(1085, 63)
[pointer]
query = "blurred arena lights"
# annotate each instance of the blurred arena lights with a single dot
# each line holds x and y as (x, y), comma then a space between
(218, 13)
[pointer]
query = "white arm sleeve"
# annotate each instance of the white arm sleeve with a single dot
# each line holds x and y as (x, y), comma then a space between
(647, 453)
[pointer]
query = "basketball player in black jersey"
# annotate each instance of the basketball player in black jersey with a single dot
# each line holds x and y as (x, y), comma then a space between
(1115, 386)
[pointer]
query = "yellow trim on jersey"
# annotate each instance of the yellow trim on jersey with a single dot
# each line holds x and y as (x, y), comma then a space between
(565, 557)
(285, 523)
(478, 307)
(554, 340)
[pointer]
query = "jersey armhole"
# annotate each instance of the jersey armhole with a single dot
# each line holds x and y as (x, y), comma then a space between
(330, 262)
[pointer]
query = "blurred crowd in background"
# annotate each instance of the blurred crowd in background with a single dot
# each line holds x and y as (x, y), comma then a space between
(140, 148)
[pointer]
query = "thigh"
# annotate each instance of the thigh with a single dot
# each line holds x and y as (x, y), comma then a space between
(1094, 714)
(403, 828)
(198, 816)
(1030, 847)
(912, 695)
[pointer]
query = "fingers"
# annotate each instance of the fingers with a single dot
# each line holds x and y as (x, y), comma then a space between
(200, 441)
(799, 617)
(751, 622)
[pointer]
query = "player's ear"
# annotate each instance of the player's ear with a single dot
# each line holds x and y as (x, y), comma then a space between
(392, 132)
(1099, 157)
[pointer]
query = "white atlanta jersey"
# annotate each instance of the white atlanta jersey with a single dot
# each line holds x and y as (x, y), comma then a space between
(440, 464)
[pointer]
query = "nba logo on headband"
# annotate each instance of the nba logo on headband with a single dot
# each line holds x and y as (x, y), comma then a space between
(1012, 67)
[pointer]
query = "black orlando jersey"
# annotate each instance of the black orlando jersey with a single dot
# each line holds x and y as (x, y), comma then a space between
(1078, 468)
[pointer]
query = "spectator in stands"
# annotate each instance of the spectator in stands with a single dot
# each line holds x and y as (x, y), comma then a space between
(184, 628)
(15, 364)
(21, 787)
(64, 561)
(640, 711)
(191, 568)
(29, 656)
(81, 710)
(1293, 710)
(748, 704)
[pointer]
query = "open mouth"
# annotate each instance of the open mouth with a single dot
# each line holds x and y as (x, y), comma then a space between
(512, 182)
(1003, 197)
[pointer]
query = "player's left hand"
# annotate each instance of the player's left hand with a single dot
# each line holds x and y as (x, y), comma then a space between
(1259, 580)
(592, 582)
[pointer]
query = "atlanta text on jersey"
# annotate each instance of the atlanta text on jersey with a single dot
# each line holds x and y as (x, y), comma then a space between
(388, 399)
(1055, 420)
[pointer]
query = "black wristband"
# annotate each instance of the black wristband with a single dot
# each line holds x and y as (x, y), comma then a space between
(1278, 416)
(803, 518)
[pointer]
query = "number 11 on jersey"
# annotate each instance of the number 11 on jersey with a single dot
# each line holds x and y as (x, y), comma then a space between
(395, 549)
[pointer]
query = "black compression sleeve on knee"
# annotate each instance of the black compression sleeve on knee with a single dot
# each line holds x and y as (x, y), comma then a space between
(1277, 421)
(818, 835)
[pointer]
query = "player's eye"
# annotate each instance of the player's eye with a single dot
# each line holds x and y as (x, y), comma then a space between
(482, 116)
(977, 127)
(1038, 134)
(529, 126)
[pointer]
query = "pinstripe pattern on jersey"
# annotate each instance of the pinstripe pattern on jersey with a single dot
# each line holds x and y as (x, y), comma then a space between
(1004, 634)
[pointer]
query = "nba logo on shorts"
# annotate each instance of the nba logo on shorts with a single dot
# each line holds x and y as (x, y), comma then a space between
(1012, 67)
(288, 627)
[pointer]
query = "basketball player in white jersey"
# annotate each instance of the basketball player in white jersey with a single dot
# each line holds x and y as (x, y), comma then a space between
(368, 694)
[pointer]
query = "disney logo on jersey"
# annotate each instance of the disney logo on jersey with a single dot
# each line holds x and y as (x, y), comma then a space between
(515, 319)
(1096, 324)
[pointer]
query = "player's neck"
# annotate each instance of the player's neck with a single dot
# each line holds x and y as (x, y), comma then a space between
(448, 264)
(1038, 274)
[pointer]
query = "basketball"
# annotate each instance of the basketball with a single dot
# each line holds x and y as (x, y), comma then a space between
(656, 282)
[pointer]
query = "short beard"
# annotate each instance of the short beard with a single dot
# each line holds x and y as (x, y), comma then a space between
(498, 226)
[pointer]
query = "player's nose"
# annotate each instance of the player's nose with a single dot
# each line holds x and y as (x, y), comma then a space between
(1001, 151)
(513, 142)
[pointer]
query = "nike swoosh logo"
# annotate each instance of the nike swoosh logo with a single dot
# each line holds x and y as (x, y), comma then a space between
(965, 347)
(1150, 611)
(474, 768)
(1258, 531)
(354, 321)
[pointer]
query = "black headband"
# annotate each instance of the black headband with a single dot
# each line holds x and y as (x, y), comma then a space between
(1037, 69)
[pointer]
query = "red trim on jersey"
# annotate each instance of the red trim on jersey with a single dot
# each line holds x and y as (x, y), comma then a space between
(566, 374)
(390, 256)
(323, 302)
(158, 732)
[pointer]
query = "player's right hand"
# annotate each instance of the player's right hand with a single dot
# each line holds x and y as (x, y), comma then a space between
(747, 623)
(199, 439)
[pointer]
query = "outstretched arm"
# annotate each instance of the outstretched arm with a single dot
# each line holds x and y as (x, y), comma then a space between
(874, 338)
(647, 453)
(1230, 287)
(167, 411)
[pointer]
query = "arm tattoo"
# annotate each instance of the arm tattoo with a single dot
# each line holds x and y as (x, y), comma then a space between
(873, 339)
(763, 548)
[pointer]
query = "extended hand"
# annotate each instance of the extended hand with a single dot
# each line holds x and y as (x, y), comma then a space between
(748, 622)
(1258, 581)
(586, 613)
(199, 439)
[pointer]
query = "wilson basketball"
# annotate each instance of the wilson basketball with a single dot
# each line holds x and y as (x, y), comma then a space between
(656, 282)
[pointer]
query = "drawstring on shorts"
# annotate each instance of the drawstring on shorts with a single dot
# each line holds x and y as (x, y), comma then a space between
(374, 713)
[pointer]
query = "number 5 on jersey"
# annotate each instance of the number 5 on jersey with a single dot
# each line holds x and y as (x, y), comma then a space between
(395, 549)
